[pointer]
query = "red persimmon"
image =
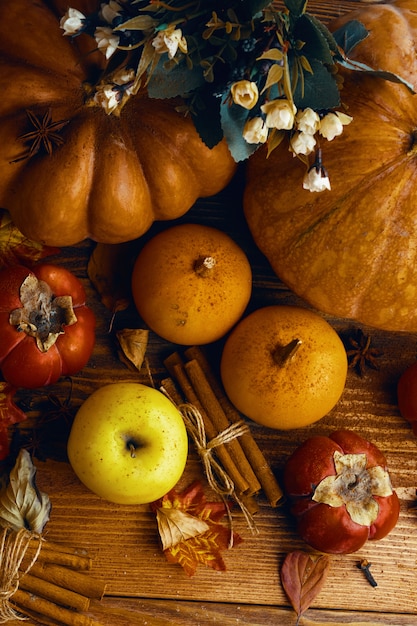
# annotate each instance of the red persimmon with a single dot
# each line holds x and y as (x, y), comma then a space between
(46, 329)
(340, 492)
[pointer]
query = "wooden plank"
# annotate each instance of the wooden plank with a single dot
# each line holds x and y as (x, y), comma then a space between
(144, 612)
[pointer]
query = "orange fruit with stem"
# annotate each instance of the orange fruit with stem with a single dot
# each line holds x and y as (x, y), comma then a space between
(284, 367)
(191, 283)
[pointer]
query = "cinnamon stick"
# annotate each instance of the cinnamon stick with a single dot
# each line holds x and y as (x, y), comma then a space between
(253, 453)
(49, 554)
(73, 580)
(38, 619)
(63, 547)
(176, 368)
(62, 615)
(169, 388)
(54, 593)
(220, 421)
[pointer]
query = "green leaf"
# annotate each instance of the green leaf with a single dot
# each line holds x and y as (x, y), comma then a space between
(390, 76)
(349, 35)
(318, 41)
(247, 10)
(296, 7)
(275, 139)
(139, 22)
(179, 81)
(318, 90)
(206, 116)
(275, 74)
(274, 54)
(233, 119)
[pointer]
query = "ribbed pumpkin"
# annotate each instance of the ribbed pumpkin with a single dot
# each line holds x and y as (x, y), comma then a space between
(112, 176)
(352, 251)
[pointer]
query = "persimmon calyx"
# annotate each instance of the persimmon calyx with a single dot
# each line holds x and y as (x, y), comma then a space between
(354, 486)
(42, 315)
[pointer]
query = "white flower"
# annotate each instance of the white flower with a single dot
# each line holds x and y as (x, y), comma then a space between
(107, 97)
(110, 95)
(245, 93)
(280, 114)
(169, 40)
(316, 179)
(110, 10)
(332, 124)
(302, 143)
(307, 121)
(107, 41)
(255, 131)
(72, 22)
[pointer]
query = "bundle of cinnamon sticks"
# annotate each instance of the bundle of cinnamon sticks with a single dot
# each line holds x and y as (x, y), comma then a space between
(192, 380)
(57, 589)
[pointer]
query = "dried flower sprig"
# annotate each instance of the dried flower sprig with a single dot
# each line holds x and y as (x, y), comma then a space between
(245, 71)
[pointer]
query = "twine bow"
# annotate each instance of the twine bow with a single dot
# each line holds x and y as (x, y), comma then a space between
(217, 477)
(13, 546)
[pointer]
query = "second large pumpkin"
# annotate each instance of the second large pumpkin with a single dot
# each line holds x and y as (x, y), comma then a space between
(352, 251)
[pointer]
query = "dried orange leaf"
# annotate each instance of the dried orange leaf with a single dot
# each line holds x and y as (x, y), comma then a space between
(176, 526)
(303, 577)
(15, 248)
(201, 547)
(109, 269)
(133, 343)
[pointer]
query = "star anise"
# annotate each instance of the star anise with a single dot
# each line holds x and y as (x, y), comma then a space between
(362, 355)
(44, 134)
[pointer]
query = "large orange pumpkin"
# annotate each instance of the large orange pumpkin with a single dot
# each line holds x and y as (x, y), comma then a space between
(352, 251)
(112, 176)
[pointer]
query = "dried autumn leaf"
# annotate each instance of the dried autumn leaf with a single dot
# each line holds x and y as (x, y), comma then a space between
(302, 578)
(109, 270)
(194, 547)
(176, 526)
(9, 414)
(22, 505)
(15, 248)
(133, 343)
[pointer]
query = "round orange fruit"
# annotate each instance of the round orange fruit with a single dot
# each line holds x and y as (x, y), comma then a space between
(284, 367)
(191, 284)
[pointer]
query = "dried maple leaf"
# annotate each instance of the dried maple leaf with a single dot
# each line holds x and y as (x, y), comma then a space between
(133, 343)
(302, 578)
(109, 269)
(15, 248)
(190, 530)
(176, 526)
(9, 414)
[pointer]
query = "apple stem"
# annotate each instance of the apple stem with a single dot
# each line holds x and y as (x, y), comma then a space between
(283, 354)
(204, 265)
(132, 450)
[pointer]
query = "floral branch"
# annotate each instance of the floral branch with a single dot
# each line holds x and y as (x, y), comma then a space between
(244, 70)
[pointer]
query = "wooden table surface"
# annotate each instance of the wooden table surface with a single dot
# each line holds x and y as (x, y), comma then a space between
(142, 588)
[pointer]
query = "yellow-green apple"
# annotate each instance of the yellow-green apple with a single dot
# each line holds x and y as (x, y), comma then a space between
(128, 443)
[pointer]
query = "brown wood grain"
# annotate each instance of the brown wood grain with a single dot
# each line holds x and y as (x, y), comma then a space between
(142, 588)
(124, 539)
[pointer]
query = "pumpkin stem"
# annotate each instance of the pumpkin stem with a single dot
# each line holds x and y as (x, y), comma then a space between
(283, 354)
(204, 265)
(413, 143)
